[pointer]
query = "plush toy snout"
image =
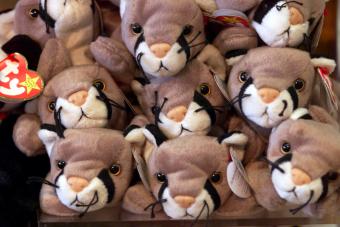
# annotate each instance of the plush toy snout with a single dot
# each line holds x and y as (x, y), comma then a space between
(300, 177)
(185, 201)
(268, 95)
(160, 50)
(78, 98)
(77, 184)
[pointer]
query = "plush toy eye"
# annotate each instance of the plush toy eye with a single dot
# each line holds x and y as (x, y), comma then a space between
(136, 28)
(205, 89)
(286, 148)
(216, 177)
(161, 177)
(299, 84)
(51, 106)
(115, 169)
(188, 29)
(61, 164)
(243, 77)
(99, 84)
(34, 13)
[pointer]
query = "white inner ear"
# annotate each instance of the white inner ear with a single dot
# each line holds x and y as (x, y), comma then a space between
(150, 137)
(136, 136)
(297, 114)
(122, 7)
(238, 139)
(49, 139)
(330, 64)
(234, 60)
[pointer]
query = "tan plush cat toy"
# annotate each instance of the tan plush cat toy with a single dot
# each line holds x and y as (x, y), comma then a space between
(90, 169)
(75, 23)
(304, 168)
(75, 97)
(161, 41)
(267, 84)
(187, 177)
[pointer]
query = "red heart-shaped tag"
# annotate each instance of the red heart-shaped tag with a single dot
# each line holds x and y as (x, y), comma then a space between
(17, 83)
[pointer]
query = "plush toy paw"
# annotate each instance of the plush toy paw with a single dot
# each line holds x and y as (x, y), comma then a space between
(114, 56)
(137, 200)
(25, 135)
(240, 207)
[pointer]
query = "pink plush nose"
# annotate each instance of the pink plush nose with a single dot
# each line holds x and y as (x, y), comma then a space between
(78, 98)
(160, 49)
(296, 16)
(268, 95)
(185, 201)
(178, 113)
(300, 177)
(77, 184)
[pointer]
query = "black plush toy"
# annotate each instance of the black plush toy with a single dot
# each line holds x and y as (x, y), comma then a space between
(18, 200)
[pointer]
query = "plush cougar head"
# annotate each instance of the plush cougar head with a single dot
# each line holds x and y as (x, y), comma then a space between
(90, 168)
(189, 103)
(304, 156)
(268, 84)
(188, 174)
(83, 97)
(282, 23)
(162, 35)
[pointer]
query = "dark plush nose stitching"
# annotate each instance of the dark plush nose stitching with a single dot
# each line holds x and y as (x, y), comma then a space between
(104, 176)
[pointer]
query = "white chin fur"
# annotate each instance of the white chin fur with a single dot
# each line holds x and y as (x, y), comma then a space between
(296, 34)
(266, 115)
(284, 185)
(173, 210)
(198, 123)
(273, 26)
(173, 61)
(95, 110)
(67, 196)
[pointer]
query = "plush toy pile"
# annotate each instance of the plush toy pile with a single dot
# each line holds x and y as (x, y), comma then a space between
(218, 104)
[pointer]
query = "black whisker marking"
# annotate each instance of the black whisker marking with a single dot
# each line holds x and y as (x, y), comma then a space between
(199, 215)
(31, 180)
(94, 200)
(274, 165)
(296, 210)
(153, 206)
(156, 110)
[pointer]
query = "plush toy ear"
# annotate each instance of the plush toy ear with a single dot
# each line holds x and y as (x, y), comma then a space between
(54, 59)
(301, 113)
(209, 6)
(134, 134)
(212, 58)
(122, 6)
(329, 64)
(234, 60)
(154, 135)
(49, 138)
(7, 24)
(234, 138)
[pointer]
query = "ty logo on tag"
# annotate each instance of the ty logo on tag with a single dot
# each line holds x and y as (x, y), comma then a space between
(17, 83)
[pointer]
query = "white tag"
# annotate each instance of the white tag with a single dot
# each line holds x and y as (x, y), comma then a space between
(142, 169)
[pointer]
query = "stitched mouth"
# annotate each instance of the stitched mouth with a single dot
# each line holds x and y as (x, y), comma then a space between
(78, 203)
(162, 67)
